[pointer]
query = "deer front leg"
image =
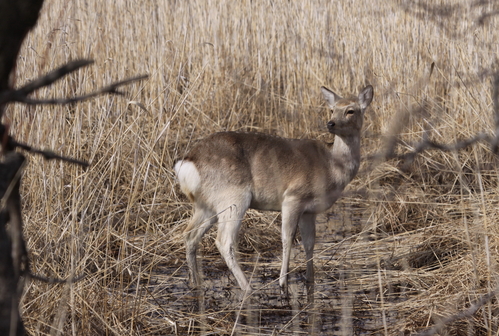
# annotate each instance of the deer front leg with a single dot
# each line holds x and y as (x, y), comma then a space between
(307, 231)
(290, 216)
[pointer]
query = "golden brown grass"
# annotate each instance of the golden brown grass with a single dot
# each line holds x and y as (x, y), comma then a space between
(417, 245)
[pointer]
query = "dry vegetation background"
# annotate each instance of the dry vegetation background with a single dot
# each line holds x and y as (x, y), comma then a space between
(417, 244)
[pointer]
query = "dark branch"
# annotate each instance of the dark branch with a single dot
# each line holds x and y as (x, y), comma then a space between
(16, 20)
(55, 280)
(21, 95)
(52, 77)
(482, 19)
(459, 316)
(428, 144)
(495, 99)
(9, 144)
(48, 155)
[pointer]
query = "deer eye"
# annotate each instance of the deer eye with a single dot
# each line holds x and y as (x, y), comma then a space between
(350, 112)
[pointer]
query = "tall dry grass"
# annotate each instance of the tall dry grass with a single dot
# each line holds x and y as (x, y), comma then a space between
(427, 241)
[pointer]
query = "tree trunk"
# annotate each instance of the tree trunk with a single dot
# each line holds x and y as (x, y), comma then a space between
(16, 19)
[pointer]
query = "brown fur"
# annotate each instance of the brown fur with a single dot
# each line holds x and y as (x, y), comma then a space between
(229, 172)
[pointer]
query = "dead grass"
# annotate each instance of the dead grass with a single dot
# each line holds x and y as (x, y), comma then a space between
(420, 245)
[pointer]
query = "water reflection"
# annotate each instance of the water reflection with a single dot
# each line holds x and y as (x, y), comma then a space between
(347, 297)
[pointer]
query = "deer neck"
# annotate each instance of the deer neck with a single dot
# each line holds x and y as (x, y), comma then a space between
(346, 158)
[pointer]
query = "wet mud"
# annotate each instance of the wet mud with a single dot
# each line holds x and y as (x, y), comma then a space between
(346, 300)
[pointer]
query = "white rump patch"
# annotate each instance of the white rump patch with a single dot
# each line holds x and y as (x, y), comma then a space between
(188, 176)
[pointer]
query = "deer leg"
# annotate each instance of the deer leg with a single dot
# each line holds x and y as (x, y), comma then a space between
(290, 217)
(307, 231)
(229, 224)
(202, 220)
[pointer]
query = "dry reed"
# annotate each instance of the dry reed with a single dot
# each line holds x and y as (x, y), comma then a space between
(416, 246)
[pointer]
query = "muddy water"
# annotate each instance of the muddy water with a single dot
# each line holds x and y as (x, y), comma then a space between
(347, 300)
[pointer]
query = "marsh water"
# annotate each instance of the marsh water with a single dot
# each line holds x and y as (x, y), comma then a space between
(347, 290)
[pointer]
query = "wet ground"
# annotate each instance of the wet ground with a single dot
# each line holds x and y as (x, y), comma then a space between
(347, 300)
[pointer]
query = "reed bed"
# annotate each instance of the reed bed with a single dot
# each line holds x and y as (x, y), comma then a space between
(405, 248)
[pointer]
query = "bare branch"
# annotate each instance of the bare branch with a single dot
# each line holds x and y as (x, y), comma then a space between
(12, 200)
(52, 77)
(55, 280)
(12, 247)
(21, 95)
(48, 155)
(427, 144)
(16, 20)
(8, 143)
(495, 99)
(461, 315)
(484, 17)
(110, 89)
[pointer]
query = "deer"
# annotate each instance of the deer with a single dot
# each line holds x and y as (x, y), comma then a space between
(228, 172)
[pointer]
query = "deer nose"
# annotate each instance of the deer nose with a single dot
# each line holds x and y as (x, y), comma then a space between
(330, 125)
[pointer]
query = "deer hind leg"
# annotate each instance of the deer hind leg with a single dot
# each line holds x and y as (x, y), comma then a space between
(307, 231)
(229, 223)
(202, 220)
(290, 217)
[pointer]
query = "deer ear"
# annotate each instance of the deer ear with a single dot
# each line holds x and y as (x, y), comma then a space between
(331, 97)
(366, 97)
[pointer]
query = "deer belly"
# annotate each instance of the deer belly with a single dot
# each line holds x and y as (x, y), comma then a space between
(266, 201)
(320, 204)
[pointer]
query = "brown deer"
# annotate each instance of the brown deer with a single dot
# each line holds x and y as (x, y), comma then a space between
(229, 172)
